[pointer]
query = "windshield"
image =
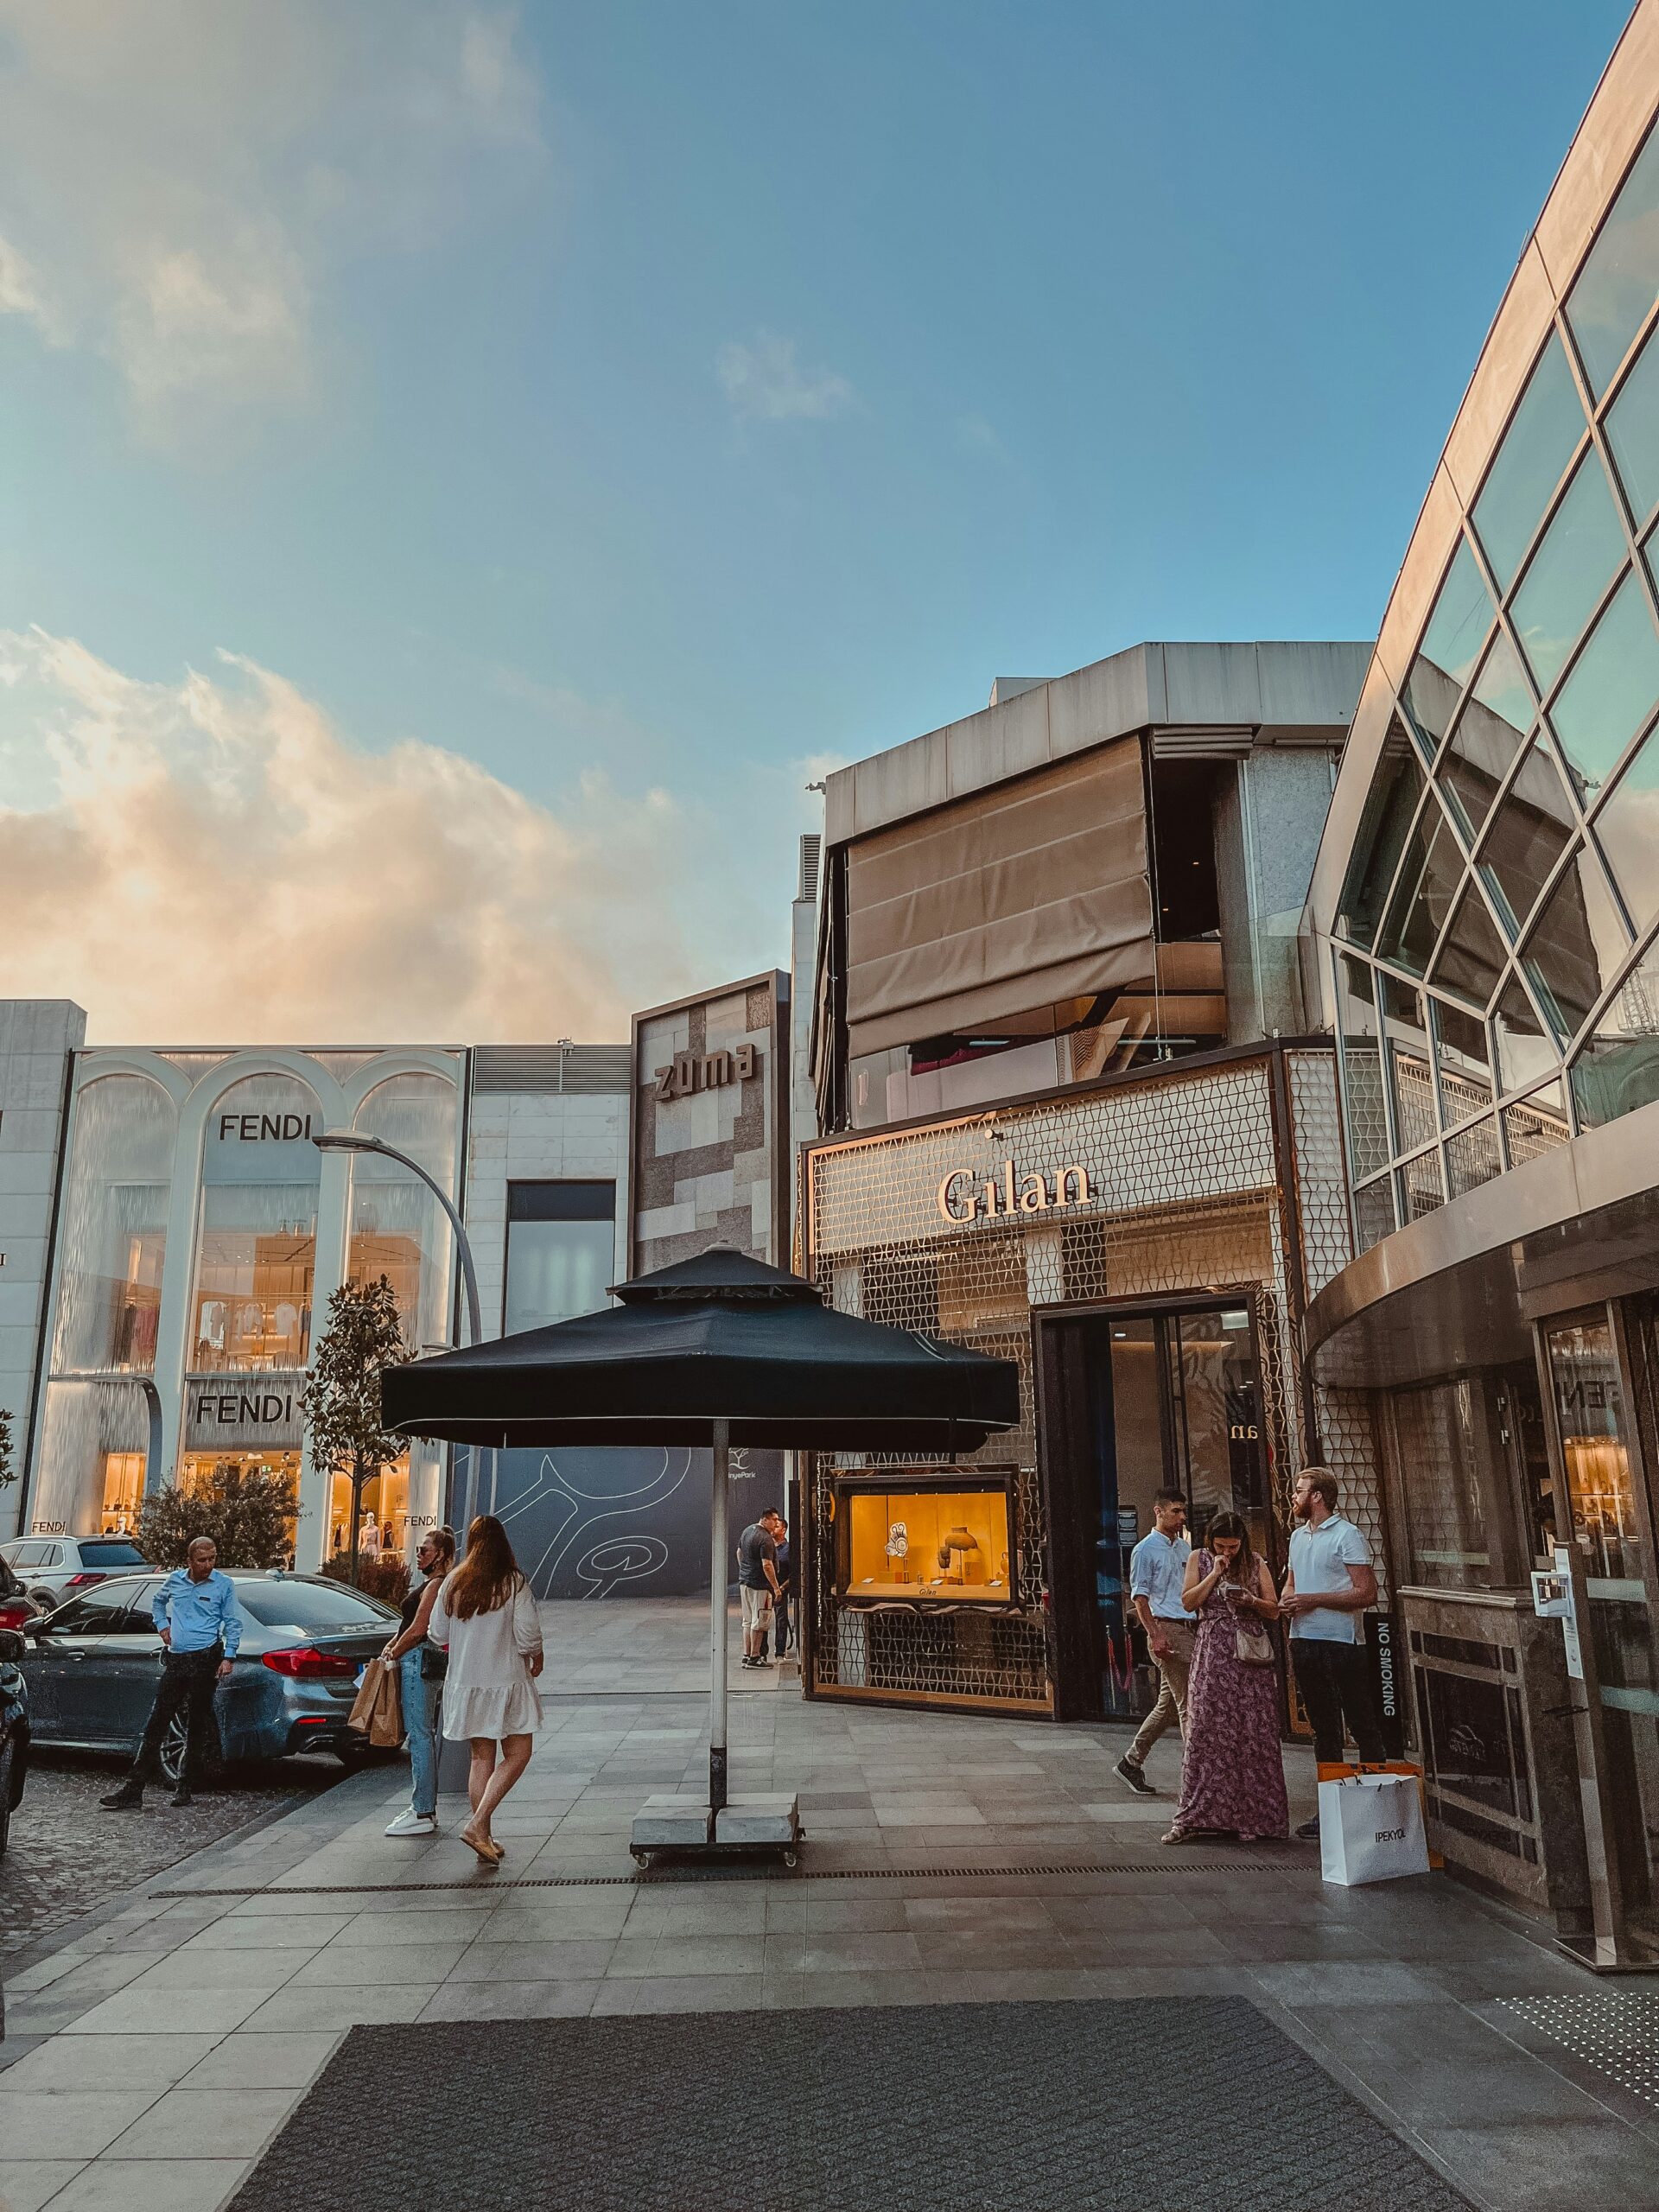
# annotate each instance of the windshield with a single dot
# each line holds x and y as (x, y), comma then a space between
(312, 1606)
(111, 1551)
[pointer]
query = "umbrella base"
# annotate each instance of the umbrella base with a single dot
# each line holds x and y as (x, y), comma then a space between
(761, 1821)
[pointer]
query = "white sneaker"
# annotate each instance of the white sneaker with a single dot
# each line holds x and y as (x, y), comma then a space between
(413, 1823)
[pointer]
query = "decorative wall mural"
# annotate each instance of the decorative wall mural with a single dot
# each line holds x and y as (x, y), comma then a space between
(597, 1522)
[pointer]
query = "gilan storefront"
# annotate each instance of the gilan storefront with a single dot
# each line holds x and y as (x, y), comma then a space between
(200, 1234)
(1126, 1184)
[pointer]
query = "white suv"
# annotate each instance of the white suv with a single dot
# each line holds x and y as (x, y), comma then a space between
(53, 1569)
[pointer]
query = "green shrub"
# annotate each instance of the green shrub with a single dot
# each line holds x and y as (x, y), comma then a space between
(384, 1576)
(248, 1509)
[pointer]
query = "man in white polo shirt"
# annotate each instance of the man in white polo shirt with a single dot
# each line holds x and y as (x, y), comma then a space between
(1331, 1583)
(1157, 1570)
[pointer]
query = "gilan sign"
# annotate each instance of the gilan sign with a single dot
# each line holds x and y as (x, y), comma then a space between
(963, 1197)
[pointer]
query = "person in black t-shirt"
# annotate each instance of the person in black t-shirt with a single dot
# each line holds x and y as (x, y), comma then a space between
(757, 1577)
(780, 1603)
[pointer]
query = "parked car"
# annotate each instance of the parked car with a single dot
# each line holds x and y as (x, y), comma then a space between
(16, 1606)
(14, 1731)
(52, 1568)
(92, 1666)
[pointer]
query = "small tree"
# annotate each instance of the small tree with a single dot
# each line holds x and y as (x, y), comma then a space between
(248, 1511)
(342, 1398)
(8, 1472)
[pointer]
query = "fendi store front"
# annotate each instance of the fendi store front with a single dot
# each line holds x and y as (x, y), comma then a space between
(1144, 1250)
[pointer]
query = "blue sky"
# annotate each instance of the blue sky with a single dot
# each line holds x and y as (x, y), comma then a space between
(646, 404)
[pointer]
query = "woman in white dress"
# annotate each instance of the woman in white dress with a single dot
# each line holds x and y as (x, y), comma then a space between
(486, 1619)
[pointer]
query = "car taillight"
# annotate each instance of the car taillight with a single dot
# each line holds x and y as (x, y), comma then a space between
(87, 1575)
(14, 1611)
(307, 1664)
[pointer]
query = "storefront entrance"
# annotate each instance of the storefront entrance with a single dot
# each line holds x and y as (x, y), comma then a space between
(1603, 1396)
(1138, 1399)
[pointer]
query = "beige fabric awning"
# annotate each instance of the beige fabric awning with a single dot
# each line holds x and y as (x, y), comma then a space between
(1024, 894)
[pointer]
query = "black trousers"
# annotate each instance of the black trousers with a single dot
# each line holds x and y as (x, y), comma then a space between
(1335, 1680)
(188, 1681)
(780, 1622)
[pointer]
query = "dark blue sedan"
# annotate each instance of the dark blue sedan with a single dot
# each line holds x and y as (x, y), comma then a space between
(93, 1668)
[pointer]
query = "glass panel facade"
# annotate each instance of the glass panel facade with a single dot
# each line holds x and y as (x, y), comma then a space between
(397, 1228)
(1618, 1066)
(1633, 433)
(1457, 628)
(1406, 1028)
(1537, 448)
(1578, 946)
(1421, 1191)
(1374, 1212)
(1472, 1157)
(1427, 884)
(1436, 1434)
(1527, 835)
(1396, 789)
(1580, 552)
(1525, 1051)
(561, 1251)
(1627, 831)
(1361, 1068)
(1465, 1065)
(1471, 957)
(1536, 1125)
(1617, 285)
(113, 1229)
(257, 1249)
(1490, 731)
(1611, 691)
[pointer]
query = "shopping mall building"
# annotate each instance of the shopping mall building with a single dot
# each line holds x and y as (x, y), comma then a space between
(1482, 941)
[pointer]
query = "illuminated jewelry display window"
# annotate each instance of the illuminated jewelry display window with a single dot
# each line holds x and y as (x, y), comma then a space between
(926, 1538)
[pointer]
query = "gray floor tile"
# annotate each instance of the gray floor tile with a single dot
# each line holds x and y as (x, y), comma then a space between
(151, 2185)
(262, 2062)
(26, 2184)
(207, 2123)
(1553, 2165)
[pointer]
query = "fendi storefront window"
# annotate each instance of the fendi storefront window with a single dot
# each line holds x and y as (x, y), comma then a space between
(257, 1253)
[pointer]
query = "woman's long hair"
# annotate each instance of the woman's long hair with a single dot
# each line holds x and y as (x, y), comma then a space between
(488, 1576)
(1232, 1525)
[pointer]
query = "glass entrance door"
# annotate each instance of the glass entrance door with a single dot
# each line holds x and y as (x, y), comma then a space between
(1609, 1527)
(1176, 1405)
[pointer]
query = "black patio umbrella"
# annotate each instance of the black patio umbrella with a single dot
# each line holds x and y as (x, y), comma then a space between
(717, 1350)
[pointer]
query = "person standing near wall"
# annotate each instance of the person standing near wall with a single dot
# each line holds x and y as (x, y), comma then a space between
(421, 1670)
(1331, 1583)
(1157, 1574)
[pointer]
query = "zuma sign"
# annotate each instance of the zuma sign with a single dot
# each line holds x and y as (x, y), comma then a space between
(689, 1072)
(962, 1196)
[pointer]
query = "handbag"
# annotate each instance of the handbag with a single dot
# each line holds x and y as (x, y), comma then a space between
(1252, 1647)
(435, 1662)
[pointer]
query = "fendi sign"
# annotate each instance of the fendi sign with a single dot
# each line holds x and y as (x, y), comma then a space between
(256, 1410)
(694, 1071)
(962, 1198)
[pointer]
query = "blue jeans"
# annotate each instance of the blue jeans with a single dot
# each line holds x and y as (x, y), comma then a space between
(420, 1726)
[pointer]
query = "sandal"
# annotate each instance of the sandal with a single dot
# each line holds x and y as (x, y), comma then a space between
(1179, 1836)
(487, 1851)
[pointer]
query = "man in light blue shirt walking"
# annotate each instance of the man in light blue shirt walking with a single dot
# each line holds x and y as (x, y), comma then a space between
(195, 1612)
(1157, 1571)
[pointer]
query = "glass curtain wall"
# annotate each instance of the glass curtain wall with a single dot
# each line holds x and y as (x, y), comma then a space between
(399, 1230)
(1497, 951)
(251, 1309)
(561, 1251)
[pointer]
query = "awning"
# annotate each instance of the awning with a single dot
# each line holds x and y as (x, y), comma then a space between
(1026, 893)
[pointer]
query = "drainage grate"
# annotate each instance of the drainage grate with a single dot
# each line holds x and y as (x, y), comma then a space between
(1617, 2031)
(752, 1872)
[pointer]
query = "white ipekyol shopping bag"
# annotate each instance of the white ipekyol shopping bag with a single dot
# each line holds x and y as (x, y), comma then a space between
(1371, 1829)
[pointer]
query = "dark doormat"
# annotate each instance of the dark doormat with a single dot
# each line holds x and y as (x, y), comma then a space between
(1198, 2105)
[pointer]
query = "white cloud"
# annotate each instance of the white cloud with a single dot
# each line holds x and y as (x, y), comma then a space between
(185, 186)
(213, 858)
(765, 383)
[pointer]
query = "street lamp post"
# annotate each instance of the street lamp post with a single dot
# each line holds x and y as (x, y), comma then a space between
(356, 1141)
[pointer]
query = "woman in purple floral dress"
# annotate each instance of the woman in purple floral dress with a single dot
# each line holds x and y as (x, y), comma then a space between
(1232, 1774)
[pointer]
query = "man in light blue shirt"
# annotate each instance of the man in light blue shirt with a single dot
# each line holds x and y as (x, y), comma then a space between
(195, 1612)
(1331, 1583)
(1157, 1573)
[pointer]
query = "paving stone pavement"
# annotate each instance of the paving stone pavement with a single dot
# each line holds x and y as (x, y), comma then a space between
(155, 2053)
(67, 1852)
(981, 2107)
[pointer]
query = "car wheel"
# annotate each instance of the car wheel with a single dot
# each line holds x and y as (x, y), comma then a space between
(44, 1599)
(171, 1755)
(8, 1756)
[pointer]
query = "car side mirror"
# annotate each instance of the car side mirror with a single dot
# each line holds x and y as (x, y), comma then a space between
(13, 1644)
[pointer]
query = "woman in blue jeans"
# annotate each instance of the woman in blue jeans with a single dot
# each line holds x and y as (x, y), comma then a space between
(421, 1681)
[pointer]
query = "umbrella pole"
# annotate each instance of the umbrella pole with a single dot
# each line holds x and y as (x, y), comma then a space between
(717, 1551)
